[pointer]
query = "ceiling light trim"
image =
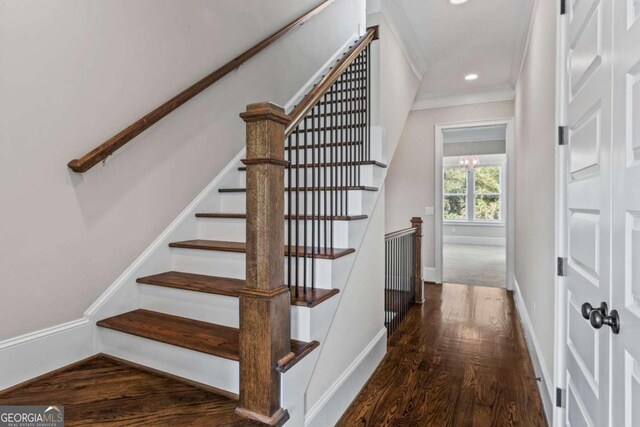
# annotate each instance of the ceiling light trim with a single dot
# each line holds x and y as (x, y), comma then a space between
(467, 99)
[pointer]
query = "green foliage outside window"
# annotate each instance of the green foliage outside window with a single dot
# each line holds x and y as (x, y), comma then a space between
(455, 190)
(487, 189)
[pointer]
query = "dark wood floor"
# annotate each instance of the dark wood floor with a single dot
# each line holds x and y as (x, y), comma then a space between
(458, 360)
(103, 392)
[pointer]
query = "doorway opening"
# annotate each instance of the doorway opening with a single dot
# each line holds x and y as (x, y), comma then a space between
(474, 203)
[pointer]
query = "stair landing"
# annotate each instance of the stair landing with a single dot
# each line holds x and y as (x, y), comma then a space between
(101, 391)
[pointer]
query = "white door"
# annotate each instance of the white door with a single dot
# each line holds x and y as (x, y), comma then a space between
(625, 245)
(587, 185)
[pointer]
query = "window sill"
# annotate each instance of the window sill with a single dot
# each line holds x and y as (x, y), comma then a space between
(475, 223)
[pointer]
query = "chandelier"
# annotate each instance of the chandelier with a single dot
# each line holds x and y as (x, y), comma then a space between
(468, 162)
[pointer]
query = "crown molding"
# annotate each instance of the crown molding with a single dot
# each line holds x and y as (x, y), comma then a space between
(399, 25)
(464, 99)
(523, 47)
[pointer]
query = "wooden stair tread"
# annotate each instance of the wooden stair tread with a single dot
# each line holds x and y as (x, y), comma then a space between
(209, 338)
(339, 188)
(333, 164)
(241, 247)
(304, 217)
(196, 282)
(227, 286)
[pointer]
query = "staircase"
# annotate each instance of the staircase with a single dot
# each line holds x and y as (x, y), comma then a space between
(179, 308)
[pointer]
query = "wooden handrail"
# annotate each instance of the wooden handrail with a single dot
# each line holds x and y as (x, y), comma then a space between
(107, 148)
(301, 110)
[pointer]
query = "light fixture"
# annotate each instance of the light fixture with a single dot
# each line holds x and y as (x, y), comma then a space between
(458, 2)
(468, 162)
(471, 76)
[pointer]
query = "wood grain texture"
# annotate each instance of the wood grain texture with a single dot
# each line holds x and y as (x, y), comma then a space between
(241, 247)
(265, 306)
(416, 222)
(458, 360)
(104, 393)
(196, 282)
(209, 338)
(108, 147)
(227, 286)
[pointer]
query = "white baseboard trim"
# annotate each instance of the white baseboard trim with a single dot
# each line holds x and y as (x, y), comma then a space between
(34, 354)
(475, 240)
(429, 274)
(546, 385)
(330, 407)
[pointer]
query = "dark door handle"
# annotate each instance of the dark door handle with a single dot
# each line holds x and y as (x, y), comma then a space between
(598, 320)
(587, 309)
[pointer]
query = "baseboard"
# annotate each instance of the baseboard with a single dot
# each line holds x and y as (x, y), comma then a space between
(330, 407)
(546, 385)
(429, 274)
(475, 240)
(34, 354)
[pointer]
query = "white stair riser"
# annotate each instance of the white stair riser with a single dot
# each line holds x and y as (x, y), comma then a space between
(224, 310)
(212, 308)
(192, 365)
(335, 176)
(236, 202)
(231, 264)
(376, 151)
(234, 230)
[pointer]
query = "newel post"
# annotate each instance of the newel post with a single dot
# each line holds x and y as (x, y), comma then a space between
(416, 222)
(265, 319)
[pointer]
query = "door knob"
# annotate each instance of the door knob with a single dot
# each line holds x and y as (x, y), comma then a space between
(587, 309)
(598, 320)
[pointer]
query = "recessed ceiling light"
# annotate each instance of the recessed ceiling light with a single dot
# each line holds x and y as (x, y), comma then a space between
(457, 2)
(471, 76)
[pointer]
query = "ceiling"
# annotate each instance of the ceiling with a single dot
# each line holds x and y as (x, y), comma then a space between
(446, 42)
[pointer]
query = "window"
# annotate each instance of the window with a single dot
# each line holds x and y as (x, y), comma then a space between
(473, 196)
(455, 194)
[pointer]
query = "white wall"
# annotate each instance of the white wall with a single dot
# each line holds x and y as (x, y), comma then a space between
(75, 72)
(397, 83)
(358, 320)
(410, 180)
(535, 174)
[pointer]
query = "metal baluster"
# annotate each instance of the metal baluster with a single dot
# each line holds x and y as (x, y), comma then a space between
(313, 194)
(297, 217)
(289, 212)
(368, 102)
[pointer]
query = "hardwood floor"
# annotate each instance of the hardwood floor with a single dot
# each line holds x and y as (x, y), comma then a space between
(458, 360)
(104, 392)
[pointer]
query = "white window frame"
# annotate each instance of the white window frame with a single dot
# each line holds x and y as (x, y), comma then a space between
(471, 197)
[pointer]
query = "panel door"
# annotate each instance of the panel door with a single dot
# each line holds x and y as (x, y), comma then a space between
(588, 208)
(626, 214)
